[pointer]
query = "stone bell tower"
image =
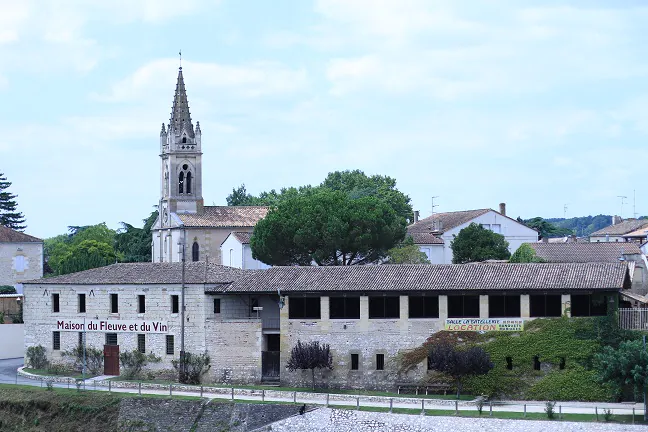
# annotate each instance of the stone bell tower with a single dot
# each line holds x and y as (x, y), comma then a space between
(180, 160)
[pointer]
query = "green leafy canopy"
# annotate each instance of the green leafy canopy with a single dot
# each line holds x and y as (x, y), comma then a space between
(475, 243)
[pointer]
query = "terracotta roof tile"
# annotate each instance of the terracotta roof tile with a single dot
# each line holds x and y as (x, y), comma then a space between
(447, 220)
(451, 277)
(243, 237)
(7, 235)
(621, 228)
(225, 216)
(584, 252)
(423, 238)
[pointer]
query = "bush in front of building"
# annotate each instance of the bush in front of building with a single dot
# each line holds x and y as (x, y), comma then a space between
(36, 357)
(134, 361)
(94, 359)
(458, 363)
(311, 356)
(192, 367)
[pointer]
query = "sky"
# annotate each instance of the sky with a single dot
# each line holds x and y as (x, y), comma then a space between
(539, 104)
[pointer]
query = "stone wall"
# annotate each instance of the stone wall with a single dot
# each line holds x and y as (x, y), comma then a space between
(20, 262)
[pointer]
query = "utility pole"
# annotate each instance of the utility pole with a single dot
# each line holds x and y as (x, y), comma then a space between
(433, 205)
(182, 308)
(623, 197)
(83, 373)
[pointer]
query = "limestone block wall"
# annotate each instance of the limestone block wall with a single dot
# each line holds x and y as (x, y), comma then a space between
(234, 347)
(20, 262)
(40, 320)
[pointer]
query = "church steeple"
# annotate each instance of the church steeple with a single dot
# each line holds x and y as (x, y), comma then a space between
(180, 116)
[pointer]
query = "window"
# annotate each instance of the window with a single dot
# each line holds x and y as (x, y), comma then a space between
(344, 307)
(545, 305)
(141, 303)
(169, 345)
(496, 228)
(588, 305)
(536, 363)
(503, 306)
(424, 307)
(189, 182)
(304, 307)
(181, 177)
(195, 252)
(355, 361)
(141, 343)
(56, 307)
(19, 263)
(217, 306)
(114, 303)
(380, 361)
(175, 305)
(509, 363)
(111, 338)
(56, 341)
(184, 139)
(463, 306)
(486, 226)
(384, 307)
(81, 298)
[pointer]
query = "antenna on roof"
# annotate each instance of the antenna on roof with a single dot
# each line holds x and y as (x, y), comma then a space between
(622, 198)
(634, 203)
(433, 203)
(565, 211)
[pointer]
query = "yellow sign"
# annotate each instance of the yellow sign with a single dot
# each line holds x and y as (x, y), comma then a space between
(484, 324)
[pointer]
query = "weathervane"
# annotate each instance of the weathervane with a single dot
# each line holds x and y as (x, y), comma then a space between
(180, 54)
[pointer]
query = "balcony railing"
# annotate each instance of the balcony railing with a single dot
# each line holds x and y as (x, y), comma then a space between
(633, 318)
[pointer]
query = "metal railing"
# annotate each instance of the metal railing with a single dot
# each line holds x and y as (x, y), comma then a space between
(633, 318)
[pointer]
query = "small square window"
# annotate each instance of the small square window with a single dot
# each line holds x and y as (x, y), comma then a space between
(56, 307)
(82, 303)
(141, 303)
(114, 303)
(380, 361)
(56, 341)
(175, 304)
(355, 361)
(111, 338)
(141, 343)
(169, 345)
(217, 306)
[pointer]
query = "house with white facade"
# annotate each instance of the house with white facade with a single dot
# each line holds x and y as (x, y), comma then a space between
(434, 234)
(236, 252)
(21, 257)
(621, 231)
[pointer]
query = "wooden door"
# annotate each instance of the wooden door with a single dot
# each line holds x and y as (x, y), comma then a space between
(111, 359)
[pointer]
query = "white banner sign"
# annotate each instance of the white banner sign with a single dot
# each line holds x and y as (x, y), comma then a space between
(112, 326)
(484, 324)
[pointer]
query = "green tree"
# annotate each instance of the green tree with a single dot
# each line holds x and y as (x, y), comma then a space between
(525, 254)
(329, 228)
(9, 215)
(546, 228)
(135, 243)
(311, 356)
(624, 367)
(240, 197)
(459, 363)
(406, 253)
(475, 243)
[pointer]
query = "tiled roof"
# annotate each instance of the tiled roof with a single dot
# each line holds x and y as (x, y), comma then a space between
(7, 235)
(243, 237)
(423, 238)
(225, 216)
(447, 220)
(451, 277)
(584, 252)
(621, 228)
(641, 232)
(148, 273)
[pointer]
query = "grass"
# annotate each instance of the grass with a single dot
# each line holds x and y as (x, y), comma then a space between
(45, 372)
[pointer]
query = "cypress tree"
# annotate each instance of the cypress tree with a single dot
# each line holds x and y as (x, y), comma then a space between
(9, 216)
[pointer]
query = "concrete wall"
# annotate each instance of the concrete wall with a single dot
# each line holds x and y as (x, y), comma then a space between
(250, 263)
(232, 252)
(435, 253)
(13, 341)
(20, 262)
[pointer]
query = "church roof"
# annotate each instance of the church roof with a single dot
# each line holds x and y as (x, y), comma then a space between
(224, 216)
(7, 235)
(180, 116)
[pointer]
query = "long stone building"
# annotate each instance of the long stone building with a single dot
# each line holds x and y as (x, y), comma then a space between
(248, 321)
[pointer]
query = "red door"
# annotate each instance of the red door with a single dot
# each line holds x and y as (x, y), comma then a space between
(111, 359)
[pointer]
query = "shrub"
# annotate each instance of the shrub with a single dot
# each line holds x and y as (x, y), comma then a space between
(607, 414)
(549, 409)
(94, 359)
(525, 254)
(50, 385)
(134, 361)
(459, 363)
(57, 369)
(36, 357)
(574, 383)
(311, 356)
(2, 318)
(7, 289)
(191, 367)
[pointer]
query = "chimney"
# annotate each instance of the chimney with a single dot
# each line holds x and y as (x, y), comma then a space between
(503, 209)
(416, 215)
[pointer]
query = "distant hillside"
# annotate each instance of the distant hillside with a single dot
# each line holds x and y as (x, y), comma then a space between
(584, 225)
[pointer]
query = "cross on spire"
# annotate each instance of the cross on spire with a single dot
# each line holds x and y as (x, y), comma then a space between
(180, 54)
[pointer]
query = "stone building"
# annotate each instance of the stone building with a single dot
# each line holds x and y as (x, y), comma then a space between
(184, 220)
(248, 321)
(21, 258)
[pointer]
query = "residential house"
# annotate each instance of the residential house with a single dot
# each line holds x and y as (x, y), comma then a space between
(236, 252)
(619, 231)
(21, 257)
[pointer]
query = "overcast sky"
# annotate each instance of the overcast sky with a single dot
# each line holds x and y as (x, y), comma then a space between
(538, 104)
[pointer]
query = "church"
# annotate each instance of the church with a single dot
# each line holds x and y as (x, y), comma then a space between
(185, 223)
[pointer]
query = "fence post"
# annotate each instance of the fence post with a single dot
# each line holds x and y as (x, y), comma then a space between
(17, 380)
(170, 389)
(490, 408)
(232, 393)
(358, 403)
(596, 412)
(391, 405)
(109, 385)
(262, 395)
(294, 397)
(41, 382)
(559, 412)
(140, 388)
(456, 407)
(524, 415)
(327, 399)
(633, 414)
(201, 391)
(422, 406)
(68, 381)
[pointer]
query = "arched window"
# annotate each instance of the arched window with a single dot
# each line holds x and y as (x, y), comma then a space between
(195, 251)
(184, 140)
(184, 180)
(189, 182)
(181, 182)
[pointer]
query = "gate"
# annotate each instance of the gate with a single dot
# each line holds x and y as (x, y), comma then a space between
(270, 366)
(111, 359)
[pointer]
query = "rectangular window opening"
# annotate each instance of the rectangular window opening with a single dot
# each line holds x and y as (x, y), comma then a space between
(423, 307)
(114, 303)
(304, 307)
(463, 306)
(217, 304)
(141, 343)
(384, 307)
(380, 361)
(545, 305)
(175, 304)
(56, 307)
(111, 338)
(141, 303)
(82, 303)
(355, 361)
(169, 345)
(344, 307)
(504, 306)
(56, 341)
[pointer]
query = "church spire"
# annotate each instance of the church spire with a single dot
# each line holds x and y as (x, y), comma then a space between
(180, 116)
